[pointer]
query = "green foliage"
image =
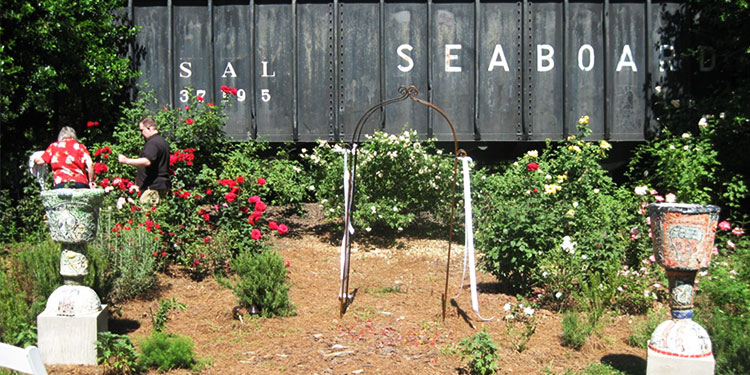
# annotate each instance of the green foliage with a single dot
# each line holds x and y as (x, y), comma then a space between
(117, 354)
(596, 296)
(287, 182)
(601, 369)
(22, 220)
(397, 178)
(125, 259)
(480, 352)
(29, 276)
(60, 65)
(14, 312)
(574, 333)
(159, 320)
(166, 351)
(723, 306)
(593, 299)
(662, 163)
(644, 327)
(520, 324)
(524, 214)
(260, 279)
(38, 269)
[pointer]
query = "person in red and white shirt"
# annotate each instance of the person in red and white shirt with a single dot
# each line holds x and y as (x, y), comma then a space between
(71, 163)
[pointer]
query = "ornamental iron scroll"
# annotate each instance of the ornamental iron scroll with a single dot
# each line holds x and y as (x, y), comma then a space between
(410, 92)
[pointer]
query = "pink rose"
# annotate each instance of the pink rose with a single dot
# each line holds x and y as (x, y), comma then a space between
(724, 225)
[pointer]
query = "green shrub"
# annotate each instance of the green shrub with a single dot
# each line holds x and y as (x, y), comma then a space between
(723, 306)
(260, 279)
(643, 328)
(14, 310)
(126, 260)
(481, 353)
(574, 333)
(398, 177)
(525, 214)
(39, 269)
(166, 351)
(29, 276)
(117, 354)
(661, 163)
(287, 182)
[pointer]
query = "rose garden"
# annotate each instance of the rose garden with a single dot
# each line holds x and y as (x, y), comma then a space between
(564, 252)
(569, 256)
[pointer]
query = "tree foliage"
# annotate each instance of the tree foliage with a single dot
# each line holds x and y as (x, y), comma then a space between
(62, 63)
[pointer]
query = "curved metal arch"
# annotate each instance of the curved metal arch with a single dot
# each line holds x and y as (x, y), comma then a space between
(410, 92)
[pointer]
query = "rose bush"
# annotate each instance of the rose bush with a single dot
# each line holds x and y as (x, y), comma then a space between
(398, 177)
(553, 217)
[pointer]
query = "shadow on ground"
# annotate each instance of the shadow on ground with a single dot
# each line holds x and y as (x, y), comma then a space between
(627, 363)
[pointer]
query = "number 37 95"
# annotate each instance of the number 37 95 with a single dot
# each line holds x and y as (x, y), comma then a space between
(265, 95)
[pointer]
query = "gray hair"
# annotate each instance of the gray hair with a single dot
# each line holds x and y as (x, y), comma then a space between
(67, 132)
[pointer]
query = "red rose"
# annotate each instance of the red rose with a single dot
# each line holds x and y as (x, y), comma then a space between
(260, 206)
(244, 210)
(230, 197)
(283, 229)
(200, 99)
(240, 179)
(189, 121)
(532, 166)
(261, 181)
(163, 253)
(255, 234)
(206, 217)
(253, 199)
(209, 191)
(207, 239)
(272, 225)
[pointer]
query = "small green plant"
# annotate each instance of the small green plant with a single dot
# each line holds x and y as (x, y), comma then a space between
(643, 328)
(480, 352)
(574, 333)
(167, 351)
(260, 280)
(520, 324)
(117, 354)
(159, 320)
(384, 290)
(594, 298)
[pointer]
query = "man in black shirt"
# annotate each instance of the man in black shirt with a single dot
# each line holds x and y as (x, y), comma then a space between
(153, 164)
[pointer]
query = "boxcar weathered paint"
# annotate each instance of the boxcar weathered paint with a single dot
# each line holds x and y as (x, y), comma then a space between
(502, 70)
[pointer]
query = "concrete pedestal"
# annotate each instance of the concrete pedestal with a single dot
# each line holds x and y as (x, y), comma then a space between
(70, 340)
(663, 364)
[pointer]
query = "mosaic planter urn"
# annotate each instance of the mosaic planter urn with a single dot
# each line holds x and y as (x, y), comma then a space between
(73, 216)
(683, 237)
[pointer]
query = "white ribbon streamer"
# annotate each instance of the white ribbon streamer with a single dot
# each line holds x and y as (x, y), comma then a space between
(469, 260)
(350, 229)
